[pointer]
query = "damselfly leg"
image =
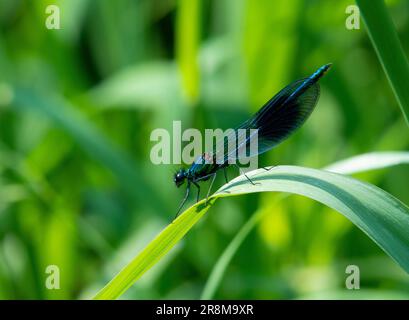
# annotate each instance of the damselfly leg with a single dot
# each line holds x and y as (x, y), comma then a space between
(242, 172)
(184, 200)
(210, 187)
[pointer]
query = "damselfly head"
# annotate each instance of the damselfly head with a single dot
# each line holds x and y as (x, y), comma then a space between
(179, 177)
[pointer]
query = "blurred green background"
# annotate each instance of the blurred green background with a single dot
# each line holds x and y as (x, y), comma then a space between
(77, 106)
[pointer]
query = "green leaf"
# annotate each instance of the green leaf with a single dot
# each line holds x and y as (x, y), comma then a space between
(155, 250)
(381, 216)
(369, 161)
(222, 263)
(187, 45)
(388, 48)
(356, 164)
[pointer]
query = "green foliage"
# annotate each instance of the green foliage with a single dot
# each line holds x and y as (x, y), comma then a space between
(387, 45)
(187, 45)
(78, 105)
(381, 216)
(352, 165)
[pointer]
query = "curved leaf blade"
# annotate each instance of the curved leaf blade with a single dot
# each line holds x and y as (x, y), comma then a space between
(155, 250)
(356, 164)
(369, 161)
(381, 216)
(384, 38)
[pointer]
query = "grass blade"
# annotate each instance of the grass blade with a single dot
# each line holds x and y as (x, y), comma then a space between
(155, 250)
(369, 161)
(222, 263)
(388, 48)
(187, 45)
(381, 216)
(357, 164)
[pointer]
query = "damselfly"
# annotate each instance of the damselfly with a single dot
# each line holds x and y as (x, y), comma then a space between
(275, 121)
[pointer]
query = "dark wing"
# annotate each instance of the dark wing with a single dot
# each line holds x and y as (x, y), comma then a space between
(274, 122)
(285, 113)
